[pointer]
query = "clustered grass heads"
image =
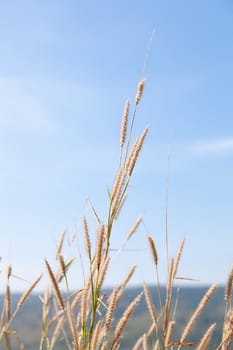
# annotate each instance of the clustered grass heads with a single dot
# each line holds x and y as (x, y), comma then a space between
(86, 318)
(161, 332)
(82, 329)
(8, 315)
(128, 159)
(100, 262)
(60, 308)
(124, 124)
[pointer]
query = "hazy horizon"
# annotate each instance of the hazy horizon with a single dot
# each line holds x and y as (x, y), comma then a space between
(66, 69)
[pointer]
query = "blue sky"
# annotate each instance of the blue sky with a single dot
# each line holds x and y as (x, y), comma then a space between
(66, 69)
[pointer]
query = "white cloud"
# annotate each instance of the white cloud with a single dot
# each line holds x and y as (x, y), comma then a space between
(217, 146)
(20, 110)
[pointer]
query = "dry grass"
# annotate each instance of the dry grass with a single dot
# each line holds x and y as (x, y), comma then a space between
(85, 318)
(197, 312)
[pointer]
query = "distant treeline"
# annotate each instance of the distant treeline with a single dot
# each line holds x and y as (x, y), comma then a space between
(186, 299)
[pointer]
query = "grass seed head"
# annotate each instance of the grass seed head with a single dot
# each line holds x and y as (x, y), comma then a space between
(124, 124)
(139, 91)
(134, 153)
(228, 290)
(197, 312)
(55, 285)
(153, 250)
(87, 237)
(134, 227)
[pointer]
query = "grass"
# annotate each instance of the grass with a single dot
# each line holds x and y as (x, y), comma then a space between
(83, 319)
